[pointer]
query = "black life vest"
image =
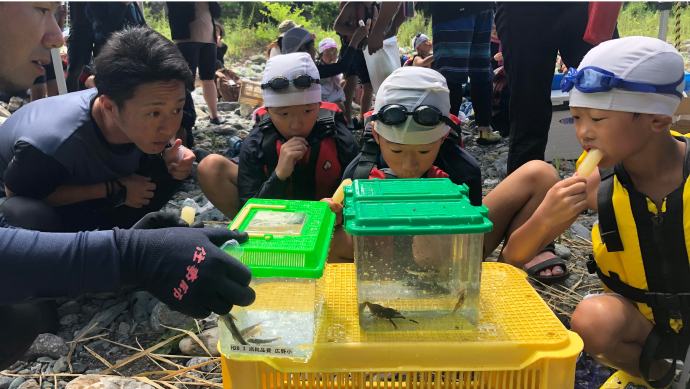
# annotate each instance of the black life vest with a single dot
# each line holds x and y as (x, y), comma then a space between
(320, 163)
(664, 268)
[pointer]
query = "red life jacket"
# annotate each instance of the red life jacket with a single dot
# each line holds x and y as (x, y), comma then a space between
(320, 163)
(433, 172)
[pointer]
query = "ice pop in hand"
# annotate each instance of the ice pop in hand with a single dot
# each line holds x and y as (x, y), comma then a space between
(339, 194)
(589, 163)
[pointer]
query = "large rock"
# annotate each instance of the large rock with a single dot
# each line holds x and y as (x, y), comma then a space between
(198, 360)
(16, 383)
(69, 319)
(228, 106)
(60, 365)
(189, 346)
(562, 251)
(257, 68)
(6, 381)
(99, 382)
(30, 384)
(163, 315)
(220, 129)
(578, 229)
(258, 59)
(246, 110)
(140, 301)
(103, 319)
(46, 345)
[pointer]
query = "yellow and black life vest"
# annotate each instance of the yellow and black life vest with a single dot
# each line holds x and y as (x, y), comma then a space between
(641, 253)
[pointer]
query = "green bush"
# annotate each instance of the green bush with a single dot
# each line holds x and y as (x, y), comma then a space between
(642, 19)
(411, 27)
(157, 22)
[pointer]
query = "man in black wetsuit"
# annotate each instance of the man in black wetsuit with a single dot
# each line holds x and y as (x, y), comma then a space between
(180, 266)
(100, 158)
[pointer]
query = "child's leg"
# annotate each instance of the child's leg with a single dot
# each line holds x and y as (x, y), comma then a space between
(367, 96)
(349, 89)
(342, 248)
(614, 331)
(514, 201)
(218, 180)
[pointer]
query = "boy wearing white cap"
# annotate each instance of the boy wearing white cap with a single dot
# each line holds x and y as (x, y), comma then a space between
(410, 127)
(422, 45)
(298, 149)
(622, 99)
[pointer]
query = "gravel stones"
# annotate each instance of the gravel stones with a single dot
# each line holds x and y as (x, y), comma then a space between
(209, 337)
(69, 308)
(103, 319)
(140, 301)
(94, 382)
(562, 251)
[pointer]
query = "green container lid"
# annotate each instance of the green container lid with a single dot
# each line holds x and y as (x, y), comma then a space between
(428, 206)
(286, 238)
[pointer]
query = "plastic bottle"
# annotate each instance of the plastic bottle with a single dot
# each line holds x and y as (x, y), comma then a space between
(188, 211)
(234, 145)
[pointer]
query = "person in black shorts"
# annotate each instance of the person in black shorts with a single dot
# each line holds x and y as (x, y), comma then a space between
(110, 17)
(193, 30)
(351, 13)
(99, 158)
(79, 43)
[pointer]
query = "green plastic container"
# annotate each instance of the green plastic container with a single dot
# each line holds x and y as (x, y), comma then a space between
(418, 250)
(286, 252)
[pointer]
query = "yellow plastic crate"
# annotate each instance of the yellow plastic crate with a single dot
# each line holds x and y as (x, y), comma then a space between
(519, 343)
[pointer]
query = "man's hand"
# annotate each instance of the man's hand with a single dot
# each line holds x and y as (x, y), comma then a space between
(290, 152)
(179, 168)
(563, 201)
(498, 57)
(375, 43)
(360, 34)
(184, 268)
(139, 190)
(335, 208)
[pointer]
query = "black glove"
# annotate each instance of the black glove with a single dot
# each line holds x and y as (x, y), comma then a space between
(155, 220)
(183, 268)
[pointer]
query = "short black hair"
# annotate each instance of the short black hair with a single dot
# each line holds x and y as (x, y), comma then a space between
(137, 56)
(636, 115)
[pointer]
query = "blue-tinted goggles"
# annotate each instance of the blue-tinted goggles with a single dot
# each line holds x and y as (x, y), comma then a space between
(592, 79)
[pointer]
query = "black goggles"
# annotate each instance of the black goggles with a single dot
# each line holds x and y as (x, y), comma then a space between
(424, 115)
(280, 83)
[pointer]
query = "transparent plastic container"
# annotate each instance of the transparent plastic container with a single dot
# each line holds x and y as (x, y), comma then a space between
(286, 252)
(418, 254)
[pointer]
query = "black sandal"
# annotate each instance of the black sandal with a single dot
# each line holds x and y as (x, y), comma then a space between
(549, 263)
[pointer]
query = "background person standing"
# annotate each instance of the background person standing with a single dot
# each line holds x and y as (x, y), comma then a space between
(193, 30)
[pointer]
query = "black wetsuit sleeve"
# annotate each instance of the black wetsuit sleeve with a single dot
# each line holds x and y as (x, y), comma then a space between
(40, 264)
(327, 71)
(251, 178)
(32, 173)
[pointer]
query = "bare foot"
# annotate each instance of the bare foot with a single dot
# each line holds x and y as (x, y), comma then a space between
(541, 257)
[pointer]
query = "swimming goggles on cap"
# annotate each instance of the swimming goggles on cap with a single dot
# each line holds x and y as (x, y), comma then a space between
(592, 79)
(424, 115)
(280, 83)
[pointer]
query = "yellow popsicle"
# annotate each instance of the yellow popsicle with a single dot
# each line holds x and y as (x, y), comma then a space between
(589, 163)
(188, 214)
(339, 194)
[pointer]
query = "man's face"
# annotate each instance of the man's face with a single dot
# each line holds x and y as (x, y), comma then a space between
(615, 133)
(408, 161)
(152, 116)
(296, 120)
(28, 31)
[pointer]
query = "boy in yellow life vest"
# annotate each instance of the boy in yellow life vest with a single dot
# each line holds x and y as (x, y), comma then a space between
(622, 99)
